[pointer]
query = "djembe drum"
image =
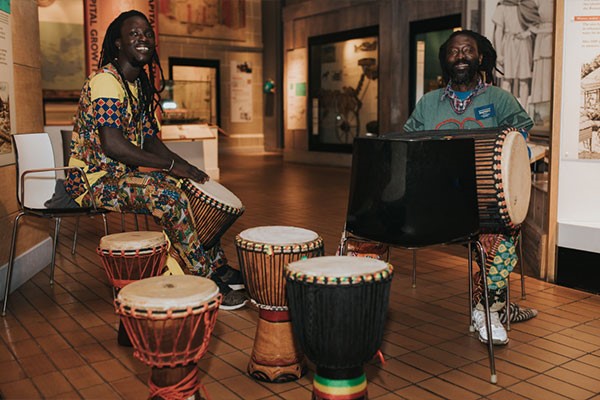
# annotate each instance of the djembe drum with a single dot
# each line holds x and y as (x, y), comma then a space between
(503, 176)
(338, 306)
(131, 256)
(169, 320)
(263, 252)
(214, 209)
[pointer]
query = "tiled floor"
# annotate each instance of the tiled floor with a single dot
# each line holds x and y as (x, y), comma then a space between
(60, 342)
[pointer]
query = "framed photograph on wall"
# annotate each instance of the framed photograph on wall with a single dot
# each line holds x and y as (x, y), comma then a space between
(522, 34)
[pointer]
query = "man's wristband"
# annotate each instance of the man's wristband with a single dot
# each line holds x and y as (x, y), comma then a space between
(170, 167)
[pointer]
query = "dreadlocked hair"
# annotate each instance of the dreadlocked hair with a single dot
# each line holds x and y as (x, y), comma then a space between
(484, 47)
(149, 95)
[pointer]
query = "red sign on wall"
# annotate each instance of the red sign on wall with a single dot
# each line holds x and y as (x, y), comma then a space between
(98, 14)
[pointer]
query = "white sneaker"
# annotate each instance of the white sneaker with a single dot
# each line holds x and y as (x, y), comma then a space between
(499, 335)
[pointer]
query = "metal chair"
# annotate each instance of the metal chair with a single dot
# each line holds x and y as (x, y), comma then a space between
(412, 191)
(36, 181)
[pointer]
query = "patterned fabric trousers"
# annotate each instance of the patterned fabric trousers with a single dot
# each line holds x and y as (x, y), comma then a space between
(501, 260)
(159, 195)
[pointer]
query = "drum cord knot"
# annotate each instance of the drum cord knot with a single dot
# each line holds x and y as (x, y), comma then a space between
(379, 354)
(185, 389)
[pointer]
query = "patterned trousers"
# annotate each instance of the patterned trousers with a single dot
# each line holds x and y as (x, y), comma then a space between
(501, 260)
(159, 195)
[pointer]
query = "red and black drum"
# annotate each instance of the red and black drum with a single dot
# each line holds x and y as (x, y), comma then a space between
(170, 320)
(263, 252)
(131, 256)
(214, 209)
(338, 306)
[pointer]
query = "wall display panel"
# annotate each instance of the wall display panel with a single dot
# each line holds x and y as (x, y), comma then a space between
(241, 91)
(7, 95)
(212, 19)
(580, 133)
(296, 63)
(62, 46)
(522, 34)
(578, 214)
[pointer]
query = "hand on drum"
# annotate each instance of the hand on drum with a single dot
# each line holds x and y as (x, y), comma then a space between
(183, 169)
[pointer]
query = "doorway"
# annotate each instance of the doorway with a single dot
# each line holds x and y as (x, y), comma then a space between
(199, 80)
(426, 37)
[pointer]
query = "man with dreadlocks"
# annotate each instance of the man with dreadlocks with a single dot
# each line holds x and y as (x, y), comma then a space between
(116, 132)
(470, 101)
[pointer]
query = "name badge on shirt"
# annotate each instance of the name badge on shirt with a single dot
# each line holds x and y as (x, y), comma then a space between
(485, 112)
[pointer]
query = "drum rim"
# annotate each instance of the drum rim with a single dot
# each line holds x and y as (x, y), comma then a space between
(199, 291)
(315, 236)
(510, 215)
(248, 245)
(133, 252)
(169, 313)
(381, 275)
(208, 198)
(155, 239)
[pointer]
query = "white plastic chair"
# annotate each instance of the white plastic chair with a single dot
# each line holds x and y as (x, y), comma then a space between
(36, 180)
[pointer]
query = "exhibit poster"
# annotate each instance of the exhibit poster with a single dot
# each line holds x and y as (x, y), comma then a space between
(7, 97)
(296, 88)
(580, 121)
(241, 91)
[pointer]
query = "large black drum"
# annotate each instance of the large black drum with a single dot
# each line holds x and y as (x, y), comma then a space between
(503, 175)
(338, 306)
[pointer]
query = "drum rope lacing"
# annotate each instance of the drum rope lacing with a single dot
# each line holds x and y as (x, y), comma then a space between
(184, 389)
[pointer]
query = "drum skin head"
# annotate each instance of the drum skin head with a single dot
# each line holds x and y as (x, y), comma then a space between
(516, 176)
(172, 292)
(218, 192)
(338, 266)
(278, 235)
(131, 241)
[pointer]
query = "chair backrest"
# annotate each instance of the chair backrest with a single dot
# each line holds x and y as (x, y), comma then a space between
(34, 151)
(66, 136)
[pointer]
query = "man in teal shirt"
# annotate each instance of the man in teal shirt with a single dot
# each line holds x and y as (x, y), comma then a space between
(470, 101)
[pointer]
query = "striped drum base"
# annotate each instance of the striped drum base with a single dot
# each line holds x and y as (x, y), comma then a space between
(340, 389)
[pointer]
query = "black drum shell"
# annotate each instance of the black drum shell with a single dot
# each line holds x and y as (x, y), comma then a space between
(338, 327)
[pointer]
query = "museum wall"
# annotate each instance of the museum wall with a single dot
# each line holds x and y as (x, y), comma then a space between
(28, 118)
(309, 18)
(243, 47)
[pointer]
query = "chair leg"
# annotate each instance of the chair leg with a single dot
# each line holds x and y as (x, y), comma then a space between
(54, 247)
(522, 263)
(414, 269)
(11, 262)
(146, 221)
(488, 319)
(470, 276)
(75, 235)
(507, 303)
(137, 224)
(105, 224)
(122, 222)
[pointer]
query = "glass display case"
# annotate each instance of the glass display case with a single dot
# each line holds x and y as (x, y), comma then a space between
(186, 102)
(343, 88)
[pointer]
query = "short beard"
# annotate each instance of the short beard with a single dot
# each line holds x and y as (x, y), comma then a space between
(464, 77)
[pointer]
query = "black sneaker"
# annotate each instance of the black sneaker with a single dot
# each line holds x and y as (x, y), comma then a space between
(232, 299)
(230, 276)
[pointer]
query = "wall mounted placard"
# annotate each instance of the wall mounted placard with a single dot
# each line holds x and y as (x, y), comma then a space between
(7, 95)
